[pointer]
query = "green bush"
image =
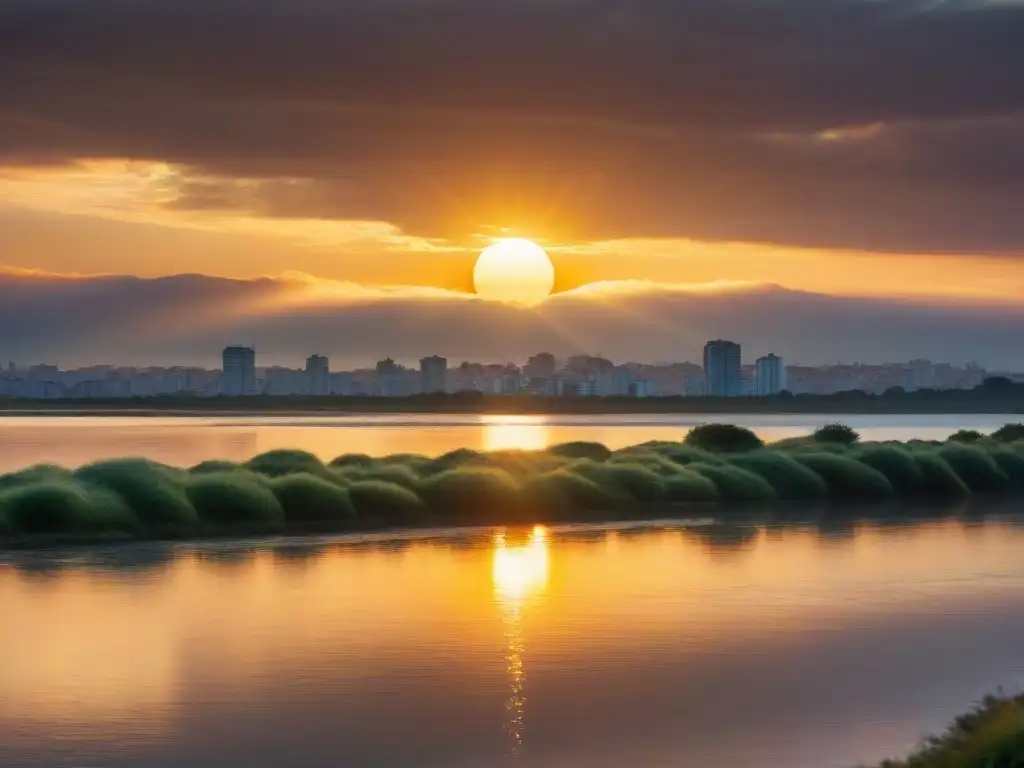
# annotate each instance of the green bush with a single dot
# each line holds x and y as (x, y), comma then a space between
(215, 465)
(311, 501)
(40, 473)
(939, 478)
(975, 467)
(472, 496)
(282, 462)
(153, 492)
(896, 464)
(62, 508)
(236, 503)
(736, 484)
(562, 495)
(1009, 433)
(1011, 464)
(353, 460)
(679, 453)
(990, 736)
(625, 481)
(836, 433)
(790, 479)
(393, 504)
(453, 460)
(395, 474)
(847, 478)
(723, 438)
(581, 450)
(966, 436)
(690, 486)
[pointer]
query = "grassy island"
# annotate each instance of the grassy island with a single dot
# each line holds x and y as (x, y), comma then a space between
(717, 468)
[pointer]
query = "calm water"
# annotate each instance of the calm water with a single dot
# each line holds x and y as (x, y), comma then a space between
(591, 647)
(185, 440)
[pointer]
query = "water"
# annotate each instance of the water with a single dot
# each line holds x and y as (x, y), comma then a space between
(184, 441)
(662, 645)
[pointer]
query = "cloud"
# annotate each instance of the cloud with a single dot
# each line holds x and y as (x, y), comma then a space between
(187, 319)
(826, 123)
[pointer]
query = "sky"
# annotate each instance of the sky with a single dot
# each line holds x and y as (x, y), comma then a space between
(831, 180)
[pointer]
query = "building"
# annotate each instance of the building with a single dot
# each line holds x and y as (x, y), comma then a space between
(541, 366)
(722, 377)
(318, 375)
(239, 376)
(434, 374)
(770, 375)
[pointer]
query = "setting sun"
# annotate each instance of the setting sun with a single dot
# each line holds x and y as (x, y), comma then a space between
(516, 271)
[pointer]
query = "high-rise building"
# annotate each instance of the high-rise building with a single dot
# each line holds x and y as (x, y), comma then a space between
(318, 375)
(542, 365)
(239, 371)
(434, 374)
(770, 375)
(722, 369)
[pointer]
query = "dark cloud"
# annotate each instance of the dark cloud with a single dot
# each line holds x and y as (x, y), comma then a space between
(187, 319)
(574, 118)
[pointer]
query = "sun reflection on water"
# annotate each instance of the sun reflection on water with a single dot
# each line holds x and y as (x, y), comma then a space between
(514, 433)
(519, 572)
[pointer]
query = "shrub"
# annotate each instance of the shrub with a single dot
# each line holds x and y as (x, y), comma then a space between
(62, 508)
(625, 481)
(286, 462)
(352, 460)
(235, 502)
(581, 450)
(40, 473)
(1011, 464)
(679, 453)
(790, 479)
(990, 736)
(896, 464)
(847, 478)
(690, 486)
(723, 438)
(452, 460)
(562, 495)
(472, 496)
(1009, 433)
(938, 477)
(975, 467)
(395, 474)
(308, 500)
(153, 492)
(735, 484)
(390, 503)
(215, 465)
(836, 433)
(966, 436)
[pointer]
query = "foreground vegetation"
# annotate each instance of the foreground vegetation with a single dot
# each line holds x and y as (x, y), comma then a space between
(293, 491)
(989, 736)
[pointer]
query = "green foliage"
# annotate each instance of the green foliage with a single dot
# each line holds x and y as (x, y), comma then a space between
(581, 450)
(627, 481)
(790, 479)
(898, 466)
(1009, 433)
(353, 460)
(386, 473)
(679, 453)
(836, 433)
(286, 462)
(1011, 464)
(233, 501)
(311, 501)
(390, 503)
(472, 495)
(61, 508)
(847, 478)
(736, 484)
(215, 465)
(975, 467)
(966, 436)
(690, 487)
(40, 473)
(939, 478)
(723, 438)
(562, 495)
(153, 492)
(989, 736)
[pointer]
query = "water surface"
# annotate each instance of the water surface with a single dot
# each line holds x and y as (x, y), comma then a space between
(799, 646)
(184, 440)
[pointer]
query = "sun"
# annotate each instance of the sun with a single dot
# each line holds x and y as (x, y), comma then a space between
(515, 271)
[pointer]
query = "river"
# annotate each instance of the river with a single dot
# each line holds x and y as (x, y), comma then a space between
(798, 646)
(185, 440)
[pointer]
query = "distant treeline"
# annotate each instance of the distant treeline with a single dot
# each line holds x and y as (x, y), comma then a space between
(995, 395)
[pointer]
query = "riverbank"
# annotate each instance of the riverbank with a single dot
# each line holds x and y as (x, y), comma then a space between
(719, 468)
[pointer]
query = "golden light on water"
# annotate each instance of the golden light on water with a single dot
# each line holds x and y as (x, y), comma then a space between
(514, 433)
(518, 573)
